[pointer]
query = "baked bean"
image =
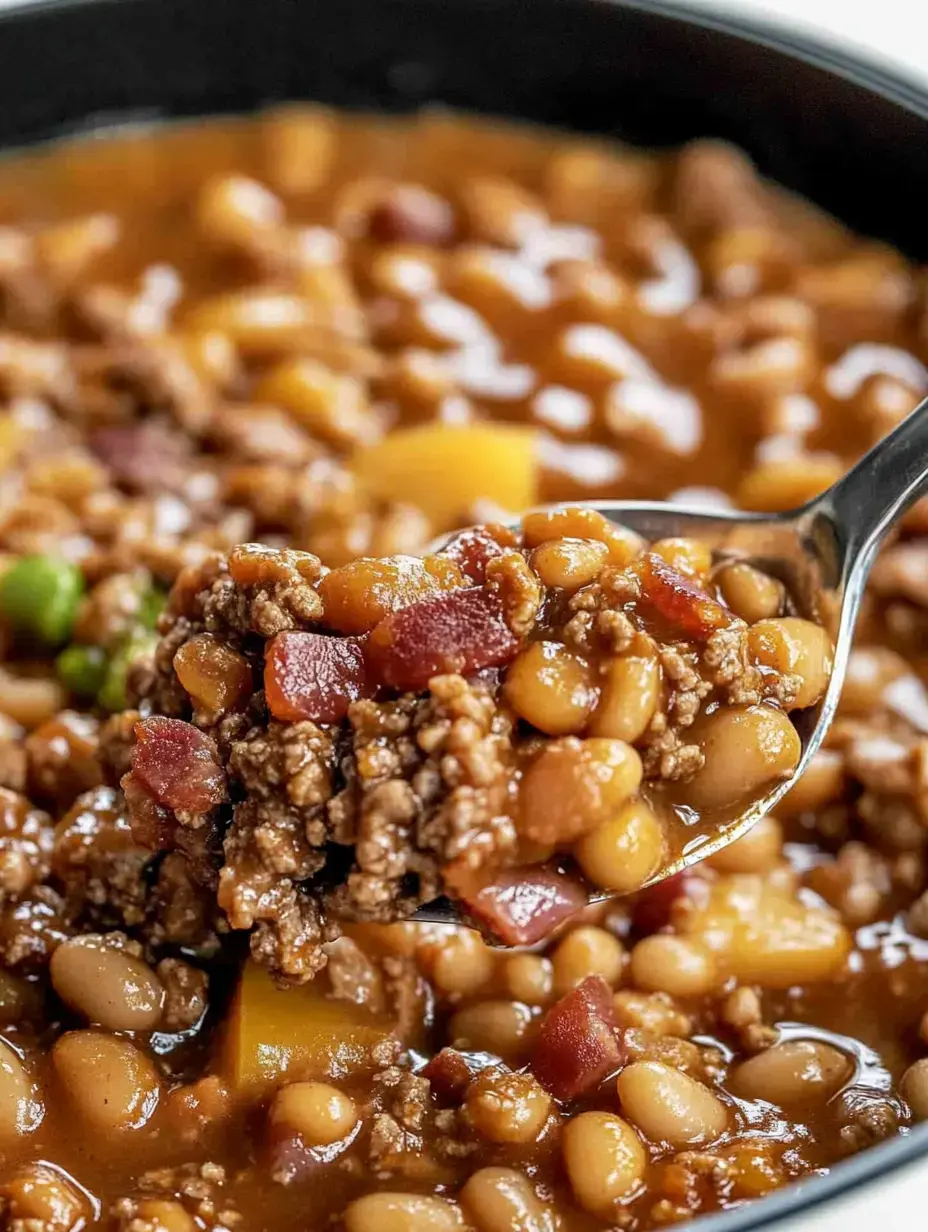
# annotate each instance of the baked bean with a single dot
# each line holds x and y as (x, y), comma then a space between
(359, 594)
(507, 1107)
(259, 321)
(20, 1109)
(331, 406)
(236, 210)
(401, 1212)
(776, 486)
(529, 978)
(755, 852)
(500, 1027)
(821, 782)
(679, 966)
(40, 1196)
(747, 750)
(669, 1106)
(458, 963)
(109, 987)
(625, 851)
(551, 687)
(319, 1113)
(30, 700)
(503, 1200)
(299, 142)
(630, 693)
(166, 1215)
(587, 951)
(914, 1089)
(605, 1160)
(110, 1082)
(569, 563)
(655, 1012)
(792, 1073)
(749, 593)
(870, 669)
(573, 786)
(691, 557)
(794, 646)
(582, 523)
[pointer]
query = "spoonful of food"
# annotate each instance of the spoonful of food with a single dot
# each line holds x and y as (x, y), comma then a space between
(525, 719)
(672, 672)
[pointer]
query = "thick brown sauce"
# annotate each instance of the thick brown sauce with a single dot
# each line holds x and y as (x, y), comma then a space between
(148, 179)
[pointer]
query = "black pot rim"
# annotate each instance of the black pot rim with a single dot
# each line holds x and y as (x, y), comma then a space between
(902, 87)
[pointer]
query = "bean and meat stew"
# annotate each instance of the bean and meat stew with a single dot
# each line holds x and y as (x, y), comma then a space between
(250, 721)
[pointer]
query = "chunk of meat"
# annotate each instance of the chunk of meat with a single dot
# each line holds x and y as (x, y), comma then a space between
(461, 632)
(679, 602)
(310, 676)
(473, 549)
(449, 1074)
(143, 457)
(523, 905)
(178, 766)
(577, 1045)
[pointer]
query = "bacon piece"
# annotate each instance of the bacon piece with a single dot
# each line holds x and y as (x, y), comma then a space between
(177, 765)
(143, 457)
(679, 602)
(653, 906)
(473, 549)
(462, 631)
(450, 1073)
(523, 905)
(310, 676)
(577, 1045)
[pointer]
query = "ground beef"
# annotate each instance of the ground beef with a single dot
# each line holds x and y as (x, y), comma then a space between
(186, 993)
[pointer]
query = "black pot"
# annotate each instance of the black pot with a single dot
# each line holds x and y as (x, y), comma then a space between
(850, 135)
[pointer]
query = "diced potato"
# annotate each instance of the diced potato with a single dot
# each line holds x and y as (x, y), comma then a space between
(762, 934)
(446, 468)
(297, 1033)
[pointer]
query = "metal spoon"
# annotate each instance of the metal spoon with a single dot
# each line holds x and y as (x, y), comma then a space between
(822, 552)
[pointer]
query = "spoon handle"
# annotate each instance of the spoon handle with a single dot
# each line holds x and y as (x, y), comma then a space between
(883, 484)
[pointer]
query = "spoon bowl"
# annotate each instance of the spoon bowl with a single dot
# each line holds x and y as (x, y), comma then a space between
(822, 552)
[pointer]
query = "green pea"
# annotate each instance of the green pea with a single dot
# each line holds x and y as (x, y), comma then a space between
(112, 692)
(82, 669)
(151, 605)
(39, 597)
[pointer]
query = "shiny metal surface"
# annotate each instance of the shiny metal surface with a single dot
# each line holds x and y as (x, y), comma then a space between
(822, 552)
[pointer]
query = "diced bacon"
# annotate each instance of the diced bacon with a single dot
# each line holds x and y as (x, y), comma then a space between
(449, 1073)
(143, 457)
(462, 631)
(473, 549)
(653, 906)
(577, 1045)
(310, 676)
(679, 602)
(523, 905)
(177, 765)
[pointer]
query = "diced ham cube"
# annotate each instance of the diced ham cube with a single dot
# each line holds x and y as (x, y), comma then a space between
(679, 602)
(310, 676)
(177, 765)
(463, 631)
(523, 905)
(473, 549)
(450, 1073)
(578, 1045)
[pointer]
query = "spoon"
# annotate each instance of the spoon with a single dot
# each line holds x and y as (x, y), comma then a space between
(822, 552)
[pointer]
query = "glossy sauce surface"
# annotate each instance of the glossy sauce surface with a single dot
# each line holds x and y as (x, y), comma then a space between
(665, 326)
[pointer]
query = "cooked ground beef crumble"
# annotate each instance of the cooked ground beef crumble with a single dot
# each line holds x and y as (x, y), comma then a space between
(235, 754)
